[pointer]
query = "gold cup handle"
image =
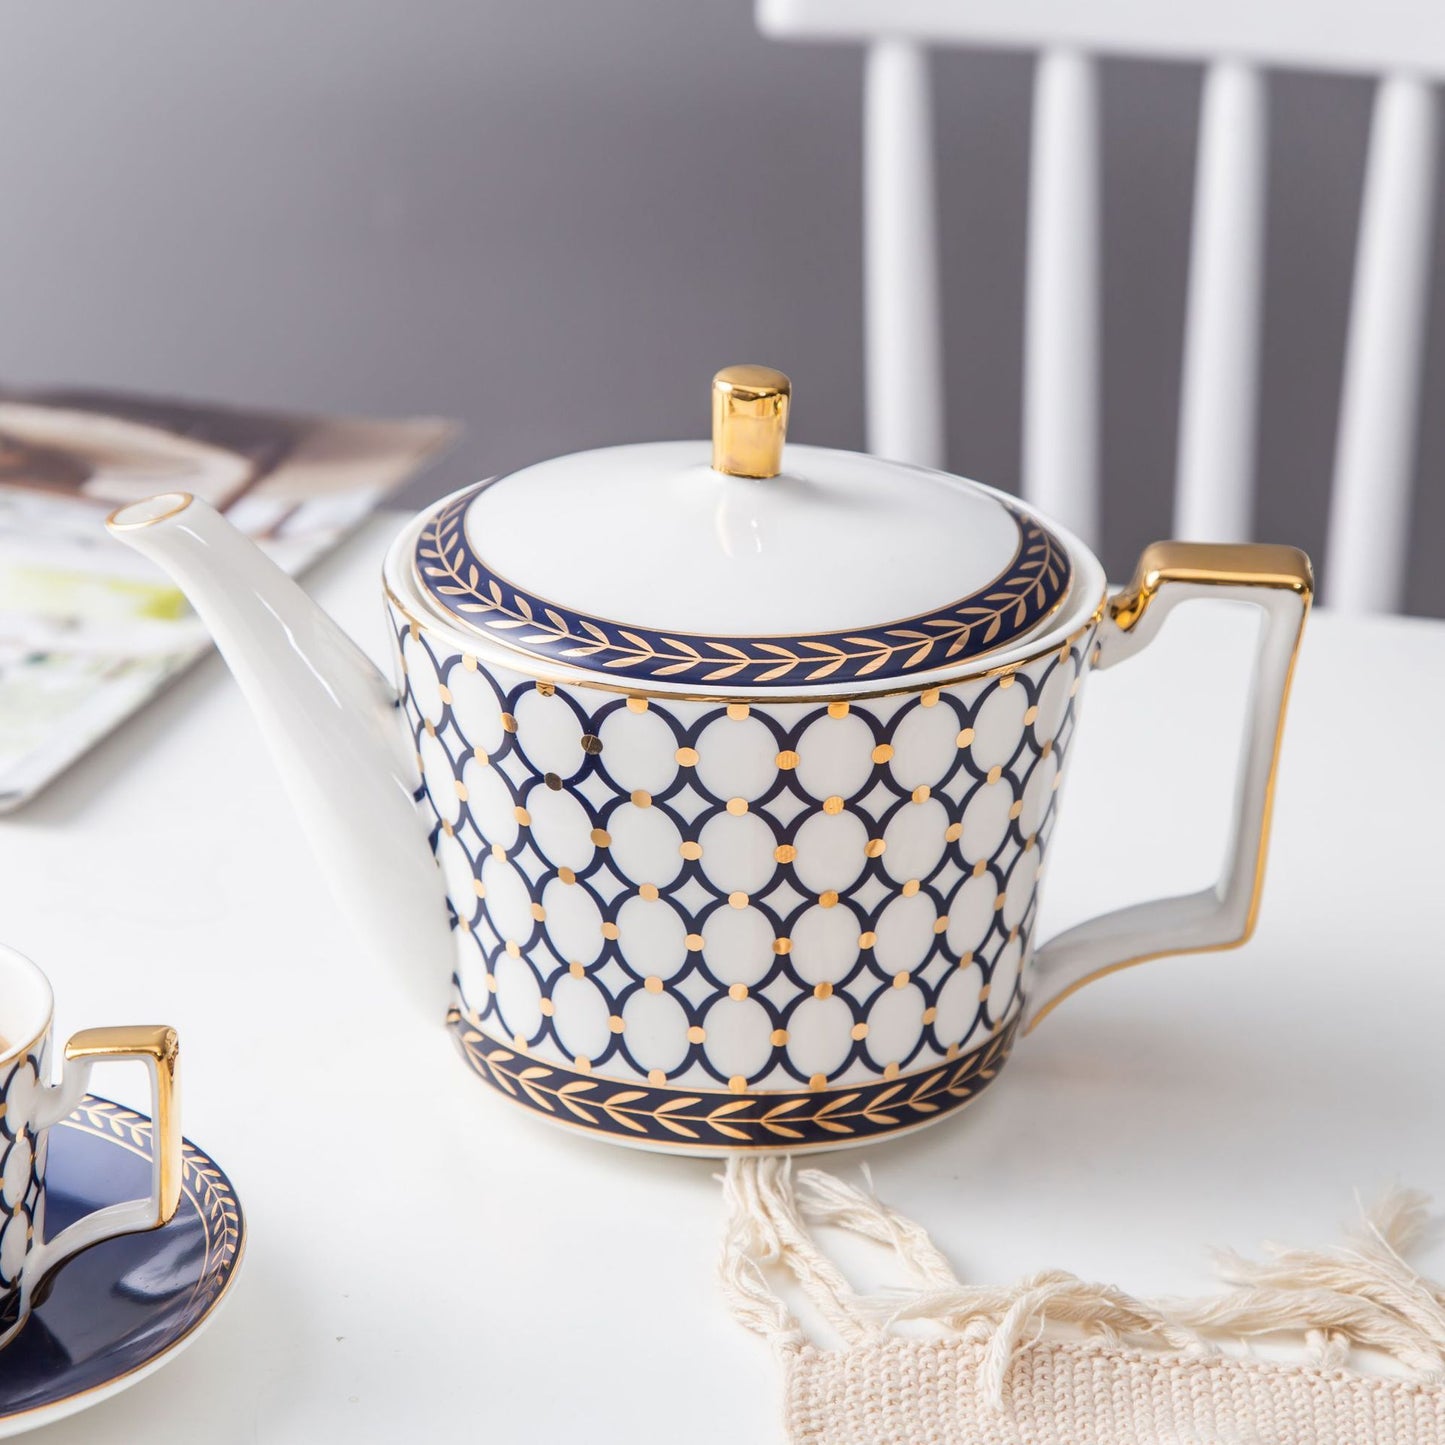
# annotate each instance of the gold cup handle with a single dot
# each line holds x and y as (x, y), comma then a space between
(1279, 581)
(156, 1046)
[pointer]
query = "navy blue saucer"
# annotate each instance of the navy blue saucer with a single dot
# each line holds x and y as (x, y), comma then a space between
(114, 1312)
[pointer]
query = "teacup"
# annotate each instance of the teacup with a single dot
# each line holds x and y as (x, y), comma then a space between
(30, 1104)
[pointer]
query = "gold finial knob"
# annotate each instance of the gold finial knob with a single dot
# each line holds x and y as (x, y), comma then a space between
(749, 420)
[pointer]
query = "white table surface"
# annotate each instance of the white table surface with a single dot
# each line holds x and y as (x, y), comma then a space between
(427, 1262)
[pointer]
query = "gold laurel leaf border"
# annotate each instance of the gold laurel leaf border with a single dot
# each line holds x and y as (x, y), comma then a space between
(701, 1119)
(872, 649)
(202, 1181)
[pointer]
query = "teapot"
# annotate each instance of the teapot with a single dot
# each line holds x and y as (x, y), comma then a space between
(718, 782)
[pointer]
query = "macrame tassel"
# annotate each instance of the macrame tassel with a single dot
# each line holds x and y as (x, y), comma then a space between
(766, 1227)
(1359, 1294)
(750, 1244)
(1362, 1293)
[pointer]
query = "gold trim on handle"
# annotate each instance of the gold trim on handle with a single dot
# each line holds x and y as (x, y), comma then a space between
(749, 420)
(160, 1044)
(1220, 564)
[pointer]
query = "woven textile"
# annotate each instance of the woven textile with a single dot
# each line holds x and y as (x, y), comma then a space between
(904, 1392)
(997, 1371)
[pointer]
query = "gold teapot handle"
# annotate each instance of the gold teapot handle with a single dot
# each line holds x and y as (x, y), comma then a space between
(1279, 581)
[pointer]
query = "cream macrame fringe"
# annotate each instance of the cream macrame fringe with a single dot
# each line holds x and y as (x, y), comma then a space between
(1360, 1294)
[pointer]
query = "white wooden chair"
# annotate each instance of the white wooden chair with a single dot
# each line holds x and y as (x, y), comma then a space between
(1401, 41)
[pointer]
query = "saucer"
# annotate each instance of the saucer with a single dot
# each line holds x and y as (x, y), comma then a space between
(112, 1314)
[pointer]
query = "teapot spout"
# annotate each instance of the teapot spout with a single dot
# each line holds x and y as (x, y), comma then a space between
(331, 722)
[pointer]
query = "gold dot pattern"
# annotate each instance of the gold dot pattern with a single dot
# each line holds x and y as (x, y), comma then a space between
(926, 862)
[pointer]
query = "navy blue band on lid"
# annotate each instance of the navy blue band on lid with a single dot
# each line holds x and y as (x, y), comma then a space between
(997, 615)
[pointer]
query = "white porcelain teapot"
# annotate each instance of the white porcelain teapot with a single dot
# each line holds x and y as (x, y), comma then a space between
(739, 766)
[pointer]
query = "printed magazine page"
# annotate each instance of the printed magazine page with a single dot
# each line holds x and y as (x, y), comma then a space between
(89, 630)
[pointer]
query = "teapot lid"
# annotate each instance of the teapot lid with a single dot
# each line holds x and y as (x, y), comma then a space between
(661, 564)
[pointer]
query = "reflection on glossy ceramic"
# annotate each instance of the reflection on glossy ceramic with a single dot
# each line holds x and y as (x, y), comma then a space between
(109, 1316)
(787, 900)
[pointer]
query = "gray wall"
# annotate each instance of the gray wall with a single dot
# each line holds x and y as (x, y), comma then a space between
(556, 220)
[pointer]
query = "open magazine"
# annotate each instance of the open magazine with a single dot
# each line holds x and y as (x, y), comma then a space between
(89, 630)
